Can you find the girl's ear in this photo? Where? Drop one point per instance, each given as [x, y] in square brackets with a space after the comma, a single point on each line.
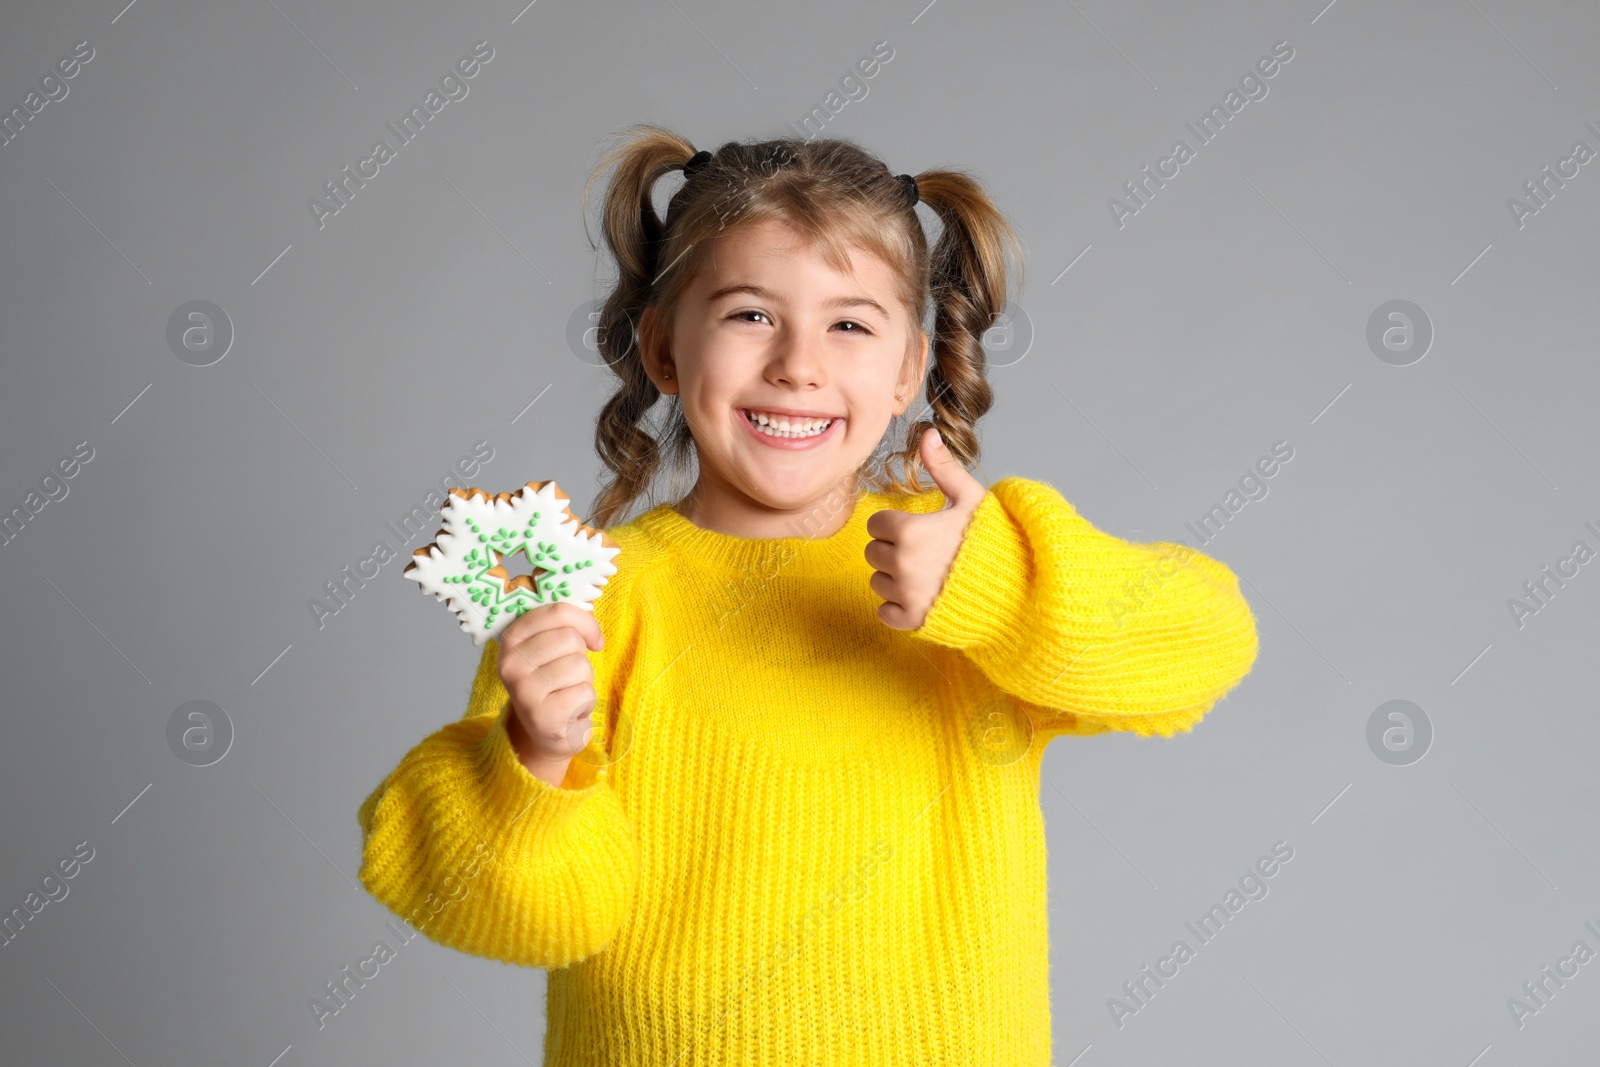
[653, 352]
[912, 369]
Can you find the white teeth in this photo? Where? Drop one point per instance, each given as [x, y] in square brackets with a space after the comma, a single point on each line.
[783, 426]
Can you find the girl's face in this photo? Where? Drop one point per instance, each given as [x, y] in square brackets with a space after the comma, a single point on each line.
[768, 329]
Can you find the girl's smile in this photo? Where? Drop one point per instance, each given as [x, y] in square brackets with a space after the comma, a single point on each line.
[785, 428]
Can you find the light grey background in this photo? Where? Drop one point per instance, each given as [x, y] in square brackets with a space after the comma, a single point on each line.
[1229, 314]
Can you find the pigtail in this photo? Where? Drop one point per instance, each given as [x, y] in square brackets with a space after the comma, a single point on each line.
[633, 235]
[967, 279]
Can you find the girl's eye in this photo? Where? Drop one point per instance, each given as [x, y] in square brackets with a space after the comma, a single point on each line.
[859, 328]
[748, 311]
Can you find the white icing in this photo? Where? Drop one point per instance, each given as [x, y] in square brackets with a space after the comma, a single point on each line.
[443, 567]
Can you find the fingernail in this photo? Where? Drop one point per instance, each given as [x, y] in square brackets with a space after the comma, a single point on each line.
[938, 442]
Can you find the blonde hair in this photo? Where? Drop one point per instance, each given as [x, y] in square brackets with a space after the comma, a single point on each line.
[838, 196]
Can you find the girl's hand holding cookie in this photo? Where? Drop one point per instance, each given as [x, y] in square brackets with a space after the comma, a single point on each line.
[910, 553]
[547, 673]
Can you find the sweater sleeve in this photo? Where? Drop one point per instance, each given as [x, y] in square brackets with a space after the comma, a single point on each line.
[481, 856]
[1089, 631]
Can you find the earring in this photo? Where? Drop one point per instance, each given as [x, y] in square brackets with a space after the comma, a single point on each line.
[897, 396]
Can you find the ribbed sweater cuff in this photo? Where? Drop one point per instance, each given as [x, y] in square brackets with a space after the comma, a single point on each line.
[985, 592]
[531, 806]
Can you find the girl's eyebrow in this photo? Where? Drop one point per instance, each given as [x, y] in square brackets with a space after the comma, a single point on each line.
[767, 294]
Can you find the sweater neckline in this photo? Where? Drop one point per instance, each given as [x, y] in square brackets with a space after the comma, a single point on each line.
[802, 554]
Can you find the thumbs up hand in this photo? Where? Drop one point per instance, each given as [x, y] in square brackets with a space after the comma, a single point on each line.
[910, 553]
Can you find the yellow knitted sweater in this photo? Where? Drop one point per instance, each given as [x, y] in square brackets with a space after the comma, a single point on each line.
[799, 836]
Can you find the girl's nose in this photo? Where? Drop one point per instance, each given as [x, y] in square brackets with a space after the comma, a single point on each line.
[797, 359]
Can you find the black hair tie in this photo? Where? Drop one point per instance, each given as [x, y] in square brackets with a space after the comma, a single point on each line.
[911, 184]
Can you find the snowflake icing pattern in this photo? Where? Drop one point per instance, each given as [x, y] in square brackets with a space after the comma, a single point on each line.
[464, 564]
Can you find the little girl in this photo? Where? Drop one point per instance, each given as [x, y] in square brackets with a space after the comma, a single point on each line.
[775, 799]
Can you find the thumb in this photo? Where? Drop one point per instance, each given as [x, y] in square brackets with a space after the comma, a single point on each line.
[957, 484]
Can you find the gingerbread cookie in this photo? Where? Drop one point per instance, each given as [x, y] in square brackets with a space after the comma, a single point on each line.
[464, 565]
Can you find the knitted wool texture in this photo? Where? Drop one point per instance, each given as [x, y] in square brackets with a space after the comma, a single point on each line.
[799, 836]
